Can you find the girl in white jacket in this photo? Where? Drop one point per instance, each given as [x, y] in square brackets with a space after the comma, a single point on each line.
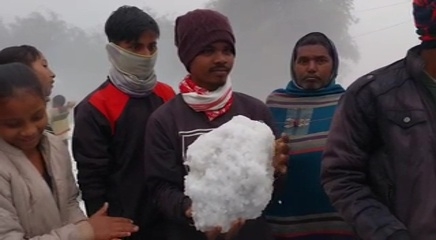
[38, 193]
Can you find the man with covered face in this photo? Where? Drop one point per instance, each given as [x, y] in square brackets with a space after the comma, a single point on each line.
[304, 110]
[108, 138]
[379, 167]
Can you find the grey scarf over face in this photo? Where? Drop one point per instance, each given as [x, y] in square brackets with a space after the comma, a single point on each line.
[132, 73]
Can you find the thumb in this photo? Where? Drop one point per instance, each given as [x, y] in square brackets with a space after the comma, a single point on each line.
[103, 210]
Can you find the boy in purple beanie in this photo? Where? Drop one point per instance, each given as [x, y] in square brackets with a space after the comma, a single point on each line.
[206, 47]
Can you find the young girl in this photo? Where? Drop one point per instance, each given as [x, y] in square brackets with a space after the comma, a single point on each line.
[38, 194]
[33, 58]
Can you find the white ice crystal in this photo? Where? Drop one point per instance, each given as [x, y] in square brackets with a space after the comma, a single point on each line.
[230, 173]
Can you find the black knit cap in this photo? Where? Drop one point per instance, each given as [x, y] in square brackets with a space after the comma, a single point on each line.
[424, 12]
[199, 28]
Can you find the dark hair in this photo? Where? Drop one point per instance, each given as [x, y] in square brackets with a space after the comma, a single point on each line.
[59, 101]
[15, 76]
[317, 38]
[23, 54]
[128, 23]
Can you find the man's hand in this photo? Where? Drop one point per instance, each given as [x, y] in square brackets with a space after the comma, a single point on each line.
[232, 233]
[188, 212]
[216, 232]
[236, 227]
[281, 155]
[70, 104]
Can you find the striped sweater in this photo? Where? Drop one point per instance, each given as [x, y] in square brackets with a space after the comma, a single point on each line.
[302, 210]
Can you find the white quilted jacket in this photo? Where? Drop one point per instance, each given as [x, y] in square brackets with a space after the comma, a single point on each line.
[28, 208]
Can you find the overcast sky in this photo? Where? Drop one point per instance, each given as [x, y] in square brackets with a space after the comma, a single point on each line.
[88, 13]
[383, 34]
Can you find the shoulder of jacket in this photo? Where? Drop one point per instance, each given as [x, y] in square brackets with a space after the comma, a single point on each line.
[54, 141]
[381, 80]
[59, 153]
[7, 168]
[164, 85]
[164, 91]
[167, 109]
[106, 102]
[56, 144]
[249, 99]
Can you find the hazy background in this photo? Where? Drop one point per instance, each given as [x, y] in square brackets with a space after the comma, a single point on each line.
[368, 33]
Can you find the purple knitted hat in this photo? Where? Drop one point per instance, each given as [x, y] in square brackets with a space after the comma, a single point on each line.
[199, 28]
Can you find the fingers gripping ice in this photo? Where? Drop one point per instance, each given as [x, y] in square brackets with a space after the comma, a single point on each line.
[231, 174]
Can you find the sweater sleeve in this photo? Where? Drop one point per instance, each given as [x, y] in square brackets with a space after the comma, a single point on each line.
[91, 139]
[164, 173]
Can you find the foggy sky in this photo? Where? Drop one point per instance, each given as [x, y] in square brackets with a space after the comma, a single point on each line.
[383, 34]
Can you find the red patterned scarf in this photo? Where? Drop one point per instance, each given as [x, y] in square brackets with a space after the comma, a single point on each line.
[213, 104]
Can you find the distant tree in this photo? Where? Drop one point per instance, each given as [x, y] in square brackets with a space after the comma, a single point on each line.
[5, 38]
[169, 69]
[74, 55]
[78, 57]
[266, 31]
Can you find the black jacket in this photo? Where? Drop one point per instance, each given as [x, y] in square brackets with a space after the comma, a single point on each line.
[379, 166]
[108, 146]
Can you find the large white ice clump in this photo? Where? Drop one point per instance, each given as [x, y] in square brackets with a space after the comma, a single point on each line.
[230, 173]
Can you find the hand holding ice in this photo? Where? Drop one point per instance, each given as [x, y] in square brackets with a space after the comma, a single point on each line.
[231, 173]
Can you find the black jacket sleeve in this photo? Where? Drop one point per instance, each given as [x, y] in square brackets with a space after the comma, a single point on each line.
[91, 138]
[165, 172]
[345, 166]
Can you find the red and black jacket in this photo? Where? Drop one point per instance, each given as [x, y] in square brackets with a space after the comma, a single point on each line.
[108, 146]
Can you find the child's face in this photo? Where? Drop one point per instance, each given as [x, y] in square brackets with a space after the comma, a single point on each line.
[22, 119]
[44, 73]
